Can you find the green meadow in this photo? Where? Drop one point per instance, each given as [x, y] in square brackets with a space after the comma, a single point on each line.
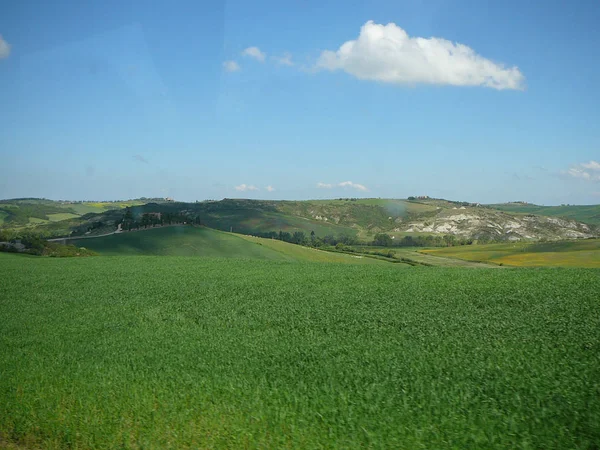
[192, 352]
[207, 242]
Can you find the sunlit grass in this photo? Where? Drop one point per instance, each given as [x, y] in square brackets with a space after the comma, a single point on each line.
[177, 352]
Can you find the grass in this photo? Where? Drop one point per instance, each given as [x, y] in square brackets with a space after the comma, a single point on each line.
[200, 241]
[583, 253]
[176, 352]
[61, 216]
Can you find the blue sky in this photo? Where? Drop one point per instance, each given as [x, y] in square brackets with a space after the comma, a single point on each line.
[466, 100]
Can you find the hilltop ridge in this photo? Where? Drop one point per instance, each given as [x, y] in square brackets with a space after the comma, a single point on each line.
[360, 219]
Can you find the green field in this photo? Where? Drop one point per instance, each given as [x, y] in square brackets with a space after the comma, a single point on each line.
[178, 352]
[61, 216]
[200, 241]
[583, 253]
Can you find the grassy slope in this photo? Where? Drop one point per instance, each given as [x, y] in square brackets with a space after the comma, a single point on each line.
[154, 352]
[193, 241]
[585, 253]
[583, 213]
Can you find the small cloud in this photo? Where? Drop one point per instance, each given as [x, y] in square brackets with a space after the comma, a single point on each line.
[352, 185]
[344, 184]
[324, 185]
[592, 165]
[254, 52]
[589, 171]
[246, 187]
[386, 53]
[140, 158]
[4, 48]
[285, 60]
[270, 188]
[231, 66]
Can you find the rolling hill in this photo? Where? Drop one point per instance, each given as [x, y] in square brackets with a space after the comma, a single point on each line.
[201, 241]
[360, 219]
[21, 212]
[589, 214]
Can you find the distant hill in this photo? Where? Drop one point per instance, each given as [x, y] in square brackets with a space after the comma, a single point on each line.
[589, 214]
[22, 212]
[360, 219]
[201, 241]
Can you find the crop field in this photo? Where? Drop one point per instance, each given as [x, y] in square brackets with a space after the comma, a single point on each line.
[200, 241]
[416, 254]
[182, 352]
[61, 216]
[583, 253]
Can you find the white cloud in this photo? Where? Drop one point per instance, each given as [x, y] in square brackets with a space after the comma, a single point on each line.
[246, 187]
[388, 54]
[352, 185]
[592, 165]
[270, 188]
[231, 66]
[4, 48]
[254, 52]
[344, 184]
[285, 60]
[589, 171]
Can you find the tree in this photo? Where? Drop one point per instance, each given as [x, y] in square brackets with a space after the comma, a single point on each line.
[299, 237]
[383, 240]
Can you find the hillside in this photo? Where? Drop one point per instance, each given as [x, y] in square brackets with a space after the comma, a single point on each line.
[23, 212]
[359, 219]
[401, 217]
[201, 241]
[589, 214]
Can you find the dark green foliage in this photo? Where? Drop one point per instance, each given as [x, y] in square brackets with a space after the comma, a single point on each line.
[383, 240]
[155, 352]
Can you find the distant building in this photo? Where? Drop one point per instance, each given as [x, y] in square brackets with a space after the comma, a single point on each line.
[169, 199]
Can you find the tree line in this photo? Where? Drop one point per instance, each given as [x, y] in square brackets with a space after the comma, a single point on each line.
[131, 222]
[448, 240]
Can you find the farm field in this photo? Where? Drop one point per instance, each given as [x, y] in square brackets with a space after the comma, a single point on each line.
[200, 241]
[583, 253]
[416, 254]
[181, 352]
